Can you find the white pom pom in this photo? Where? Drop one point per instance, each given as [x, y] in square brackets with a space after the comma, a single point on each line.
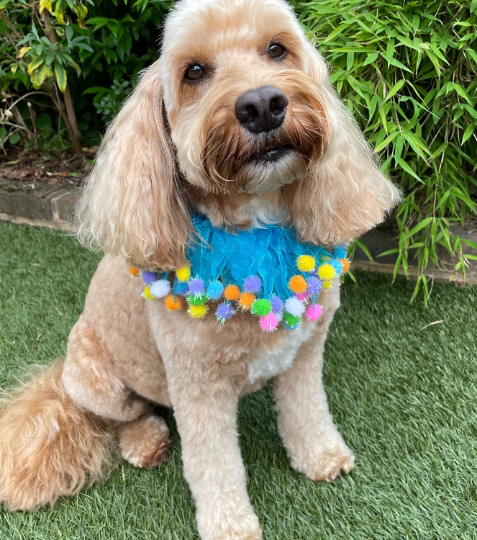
[161, 288]
[294, 307]
[279, 316]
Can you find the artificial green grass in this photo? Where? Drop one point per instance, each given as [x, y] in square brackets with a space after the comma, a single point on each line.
[405, 400]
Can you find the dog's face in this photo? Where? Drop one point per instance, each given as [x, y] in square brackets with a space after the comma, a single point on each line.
[238, 106]
[244, 113]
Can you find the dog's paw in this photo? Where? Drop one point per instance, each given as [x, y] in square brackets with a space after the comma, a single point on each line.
[144, 442]
[332, 463]
[326, 463]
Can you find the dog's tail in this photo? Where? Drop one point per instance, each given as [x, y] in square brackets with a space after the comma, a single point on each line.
[48, 446]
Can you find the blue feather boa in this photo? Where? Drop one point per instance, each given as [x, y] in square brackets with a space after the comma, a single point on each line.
[270, 252]
[271, 257]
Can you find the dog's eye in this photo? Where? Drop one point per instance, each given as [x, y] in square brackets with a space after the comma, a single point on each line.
[276, 51]
[194, 72]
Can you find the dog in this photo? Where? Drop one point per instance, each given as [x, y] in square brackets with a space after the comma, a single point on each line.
[236, 121]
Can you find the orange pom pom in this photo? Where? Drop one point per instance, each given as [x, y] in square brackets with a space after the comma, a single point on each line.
[345, 264]
[172, 304]
[246, 300]
[232, 293]
[133, 271]
[297, 284]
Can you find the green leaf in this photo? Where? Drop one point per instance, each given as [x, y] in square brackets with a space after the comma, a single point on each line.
[59, 14]
[394, 62]
[458, 88]
[408, 169]
[363, 247]
[69, 33]
[437, 52]
[335, 33]
[349, 61]
[395, 89]
[390, 48]
[35, 64]
[81, 11]
[468, 133]
[60, 75]
[424, 223]
[14, 138]
[370, 58]
[408, 43]
[387, 140]
[356, 49]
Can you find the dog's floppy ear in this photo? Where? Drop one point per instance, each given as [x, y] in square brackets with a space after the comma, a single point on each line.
[132, 204]
[345, 194]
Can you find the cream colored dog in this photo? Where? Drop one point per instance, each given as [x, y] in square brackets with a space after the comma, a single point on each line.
[236, 120]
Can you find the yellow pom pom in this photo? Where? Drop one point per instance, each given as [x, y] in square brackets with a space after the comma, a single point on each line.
[345, 264]
[326, 271]
[183, 274]
[327, 284]
[147, 293]
[297, 284]
[246, 300]
[133, 271]
[306, 263]
[173, 304]
[198, 312]
[232, 293]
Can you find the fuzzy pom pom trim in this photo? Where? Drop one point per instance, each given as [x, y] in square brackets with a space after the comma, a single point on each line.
[272, 290]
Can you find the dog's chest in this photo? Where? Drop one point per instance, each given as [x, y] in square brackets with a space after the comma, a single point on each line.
[269, 363]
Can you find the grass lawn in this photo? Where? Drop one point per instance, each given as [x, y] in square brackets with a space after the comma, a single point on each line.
[404, 398]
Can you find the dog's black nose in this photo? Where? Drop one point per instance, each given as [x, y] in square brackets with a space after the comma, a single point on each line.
[262, 109]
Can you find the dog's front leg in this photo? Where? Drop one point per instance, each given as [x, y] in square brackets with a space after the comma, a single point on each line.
[313, 444]
[206, 415]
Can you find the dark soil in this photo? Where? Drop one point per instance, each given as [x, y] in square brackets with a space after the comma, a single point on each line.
[49, 167]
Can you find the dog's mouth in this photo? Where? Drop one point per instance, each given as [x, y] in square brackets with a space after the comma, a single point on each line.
[271, 154]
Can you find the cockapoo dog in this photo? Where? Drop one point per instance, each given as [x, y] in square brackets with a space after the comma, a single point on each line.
[236, 121]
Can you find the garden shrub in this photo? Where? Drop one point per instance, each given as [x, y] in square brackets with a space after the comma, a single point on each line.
[407, 72]
[55, 48]
[405, 69]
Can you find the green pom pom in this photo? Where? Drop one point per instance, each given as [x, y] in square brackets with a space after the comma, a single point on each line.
[290, 319]
[261, 307]
[197, 300]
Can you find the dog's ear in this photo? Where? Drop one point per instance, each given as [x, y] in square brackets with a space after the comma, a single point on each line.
[132, 204]
[345, 193]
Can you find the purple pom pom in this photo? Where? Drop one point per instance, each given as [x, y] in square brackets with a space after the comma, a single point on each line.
[224, 311]
[252, 284]
[277, 304]
[314, 286]
[196, 286]
[149, 277]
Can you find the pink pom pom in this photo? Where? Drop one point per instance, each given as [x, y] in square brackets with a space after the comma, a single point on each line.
[302, 296]
[269, 322]
[313, 312]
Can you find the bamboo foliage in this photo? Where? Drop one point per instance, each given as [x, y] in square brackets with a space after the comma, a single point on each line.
[407, 72]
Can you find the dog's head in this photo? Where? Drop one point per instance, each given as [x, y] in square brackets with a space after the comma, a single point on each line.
[239, 103]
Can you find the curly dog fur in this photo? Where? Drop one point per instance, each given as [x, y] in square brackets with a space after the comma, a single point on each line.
[178, 146]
